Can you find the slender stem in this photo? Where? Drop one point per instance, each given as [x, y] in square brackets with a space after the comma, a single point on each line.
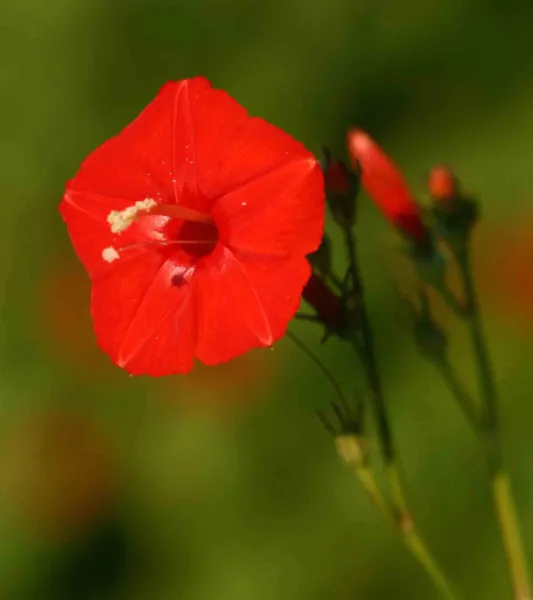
[336, 281]
[486, 382]
[349, 449]
[309, 318]
[371, 487]
[513, 538]
[364, 345]
[466, 403]
[325, 370]
[503, 500]
[452, 302]
[398, 496]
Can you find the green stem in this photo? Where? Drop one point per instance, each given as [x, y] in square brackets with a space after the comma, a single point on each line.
[351, 452]
[363, 342]
[364, 345]
[466, 403]
[451, 301]
[367, 479]
[485, 376]
[501, 491]
[397, 514]
[512, 535]
[325, 370]
[336, 281]
[411, 536]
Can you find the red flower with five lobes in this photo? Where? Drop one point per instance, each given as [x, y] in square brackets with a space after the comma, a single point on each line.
[384, 183]
[194, 224]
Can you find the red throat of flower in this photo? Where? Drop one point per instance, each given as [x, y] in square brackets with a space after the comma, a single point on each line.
[179, 212]
[198, 233]
[190, 230]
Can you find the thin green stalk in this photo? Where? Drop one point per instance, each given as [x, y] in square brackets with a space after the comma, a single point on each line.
[325, 370]
[501, 491]
[308, 318]
[371, 487]
[466, 403]
[364, 345]
[397, 513]
[512, 536]
[485, 376]
[350, 449]
[336, 281]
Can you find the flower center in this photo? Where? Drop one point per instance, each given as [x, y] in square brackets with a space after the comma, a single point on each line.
[197, 234]
[198, 238]
[192, 231]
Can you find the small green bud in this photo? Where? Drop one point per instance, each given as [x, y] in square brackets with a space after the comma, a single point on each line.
[351, 449]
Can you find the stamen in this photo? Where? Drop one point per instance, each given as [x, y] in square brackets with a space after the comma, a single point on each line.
[120, 220]
[109, 254]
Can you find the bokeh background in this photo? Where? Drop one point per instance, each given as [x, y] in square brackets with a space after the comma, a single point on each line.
[222, 484]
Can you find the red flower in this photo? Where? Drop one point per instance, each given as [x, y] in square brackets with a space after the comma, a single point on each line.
[193, 224]
[385, 184]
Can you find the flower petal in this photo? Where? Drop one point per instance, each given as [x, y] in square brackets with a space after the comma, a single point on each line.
[277, 214]
[245, 303]
[142, 319]
[231, 148]
[142, 161]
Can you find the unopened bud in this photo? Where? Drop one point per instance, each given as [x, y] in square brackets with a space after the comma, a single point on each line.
[321, 258]
[351, 450]
[385, 185]
[454, 213]
[443, 185]
[327, 304]
[342, 187]
[337, 177]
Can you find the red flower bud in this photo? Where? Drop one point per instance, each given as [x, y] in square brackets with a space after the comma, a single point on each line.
[442, 184]
[326, 304]
[384, 183]
[337, 177]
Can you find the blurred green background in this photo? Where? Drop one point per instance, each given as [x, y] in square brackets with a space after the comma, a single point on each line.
[222, 484]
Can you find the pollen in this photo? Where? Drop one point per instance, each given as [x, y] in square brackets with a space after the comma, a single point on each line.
[109, 254]
[120, 220]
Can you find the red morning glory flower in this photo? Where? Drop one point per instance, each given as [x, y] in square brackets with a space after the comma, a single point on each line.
[194, 224]
[384, 183]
